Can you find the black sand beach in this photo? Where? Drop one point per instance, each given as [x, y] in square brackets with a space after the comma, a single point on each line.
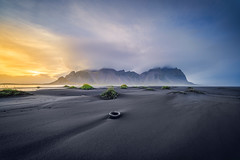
[160, 124]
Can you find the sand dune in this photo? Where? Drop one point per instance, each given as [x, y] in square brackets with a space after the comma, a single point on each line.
[73, 124]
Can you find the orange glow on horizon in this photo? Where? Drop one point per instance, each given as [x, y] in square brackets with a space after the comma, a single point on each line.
[30, 50]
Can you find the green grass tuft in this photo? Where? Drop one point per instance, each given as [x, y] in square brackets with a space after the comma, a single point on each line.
[72, 87]
[11, 92]
[166, 87]
[124, 86]
[66, 86]
[86, 87]
[110, 93]
[135, 87]
[150, 89]
[142, 87]
[190, 89]
[177, 92]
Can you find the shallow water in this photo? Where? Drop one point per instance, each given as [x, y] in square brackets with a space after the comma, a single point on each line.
[34, 87]
[31, 87]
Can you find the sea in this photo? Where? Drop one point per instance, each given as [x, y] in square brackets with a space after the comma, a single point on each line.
[30, 87]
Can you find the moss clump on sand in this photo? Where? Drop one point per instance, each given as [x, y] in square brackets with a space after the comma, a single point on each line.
[110, 93]
[86, 87]
[135, 87]
[177, 92]
[194, 91]
[142, 87]
[72, 87]
[150, 89]
[66, 86]
[12, 92]
[166, 87]
[124, 86]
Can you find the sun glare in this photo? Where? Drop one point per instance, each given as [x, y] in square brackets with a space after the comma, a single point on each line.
[35, 73]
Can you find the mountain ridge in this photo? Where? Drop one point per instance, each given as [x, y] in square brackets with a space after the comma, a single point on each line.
[109, 76]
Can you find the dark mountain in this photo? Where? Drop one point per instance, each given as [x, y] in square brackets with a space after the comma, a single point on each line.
[167, 75]
[106, 76]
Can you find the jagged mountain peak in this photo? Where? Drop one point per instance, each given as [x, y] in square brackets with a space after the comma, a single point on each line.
[109, 76]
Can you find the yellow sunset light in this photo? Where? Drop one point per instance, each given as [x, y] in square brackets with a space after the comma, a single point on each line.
[30, 50]
[35, 73]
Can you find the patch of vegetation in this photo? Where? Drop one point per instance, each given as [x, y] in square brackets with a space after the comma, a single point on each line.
[11, 92]
[194, 91]
[135, 87]
[66, 86]
[86, 87]
[110, 93]
[150, 89]
[38, 87]
[166, 87]
[142, 87]
[72, 87]
[124, 86]
[177, 92]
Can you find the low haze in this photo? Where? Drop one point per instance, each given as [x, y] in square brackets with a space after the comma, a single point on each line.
[43, 40]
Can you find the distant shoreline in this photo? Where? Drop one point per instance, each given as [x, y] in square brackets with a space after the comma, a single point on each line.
[24, 83]
[49, 84]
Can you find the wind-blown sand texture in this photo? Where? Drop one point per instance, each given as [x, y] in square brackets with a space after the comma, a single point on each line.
[159, 124]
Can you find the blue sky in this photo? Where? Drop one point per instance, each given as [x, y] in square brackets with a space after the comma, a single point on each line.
[200, 37]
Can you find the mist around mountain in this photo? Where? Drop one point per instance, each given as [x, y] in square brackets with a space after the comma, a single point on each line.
[108, 76]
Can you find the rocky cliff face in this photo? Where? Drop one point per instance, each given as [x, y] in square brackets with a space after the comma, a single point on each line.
[168, 75]
[156, 76]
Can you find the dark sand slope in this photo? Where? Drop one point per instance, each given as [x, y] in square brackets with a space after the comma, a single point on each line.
[73, 124]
